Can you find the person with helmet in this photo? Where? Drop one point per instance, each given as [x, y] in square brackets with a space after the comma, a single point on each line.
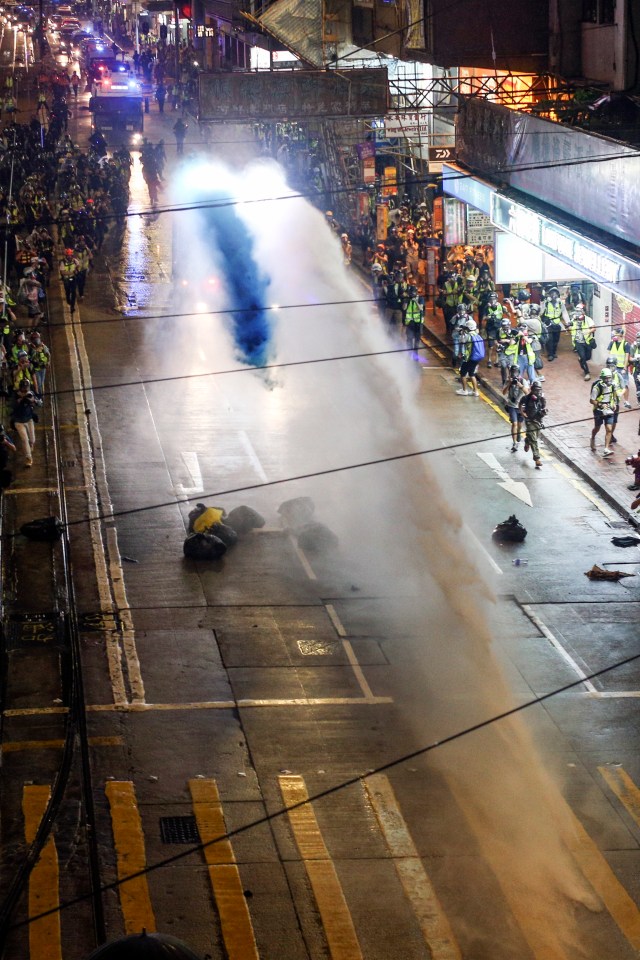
[513, 391]
[533, 408]
[451, 296]
[23, 417]
[505, 336]
[347, 249]
[619, 349]
[520, 352]
[472, 352]
[40, 358]
[23, 372]
[604, 400]
[536, 332]
[634, 364]
[459, 325]
[554, 317]
[618, 384]
[413, 317]
[582, 337]
[69, 267]
[395, 294]
[492, 315]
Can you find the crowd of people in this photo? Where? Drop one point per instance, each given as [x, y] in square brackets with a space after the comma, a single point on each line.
[57, 204]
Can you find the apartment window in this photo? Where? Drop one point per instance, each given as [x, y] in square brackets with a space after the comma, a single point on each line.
[599, 11]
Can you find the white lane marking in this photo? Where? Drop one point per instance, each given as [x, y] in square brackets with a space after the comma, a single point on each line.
[553, 640]
[192, 464]
[348, 649]
[253, 456]
[515, 487]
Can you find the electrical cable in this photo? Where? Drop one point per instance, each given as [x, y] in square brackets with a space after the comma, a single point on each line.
[331, 791]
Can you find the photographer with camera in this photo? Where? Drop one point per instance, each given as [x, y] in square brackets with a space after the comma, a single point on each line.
[513, 391]
[24, 419]
[533, 408]
[604, 400]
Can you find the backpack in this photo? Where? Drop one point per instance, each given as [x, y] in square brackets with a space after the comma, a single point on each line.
[477, 347]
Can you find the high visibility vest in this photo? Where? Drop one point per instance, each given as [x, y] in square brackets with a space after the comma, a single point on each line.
[616, 349]
[494, 314]
[585, 325]
[552, 311]
[512, 351]
[68, 269]
[634, 355]
[40, 358]
[413, 313]
[604, 393]
[452, 293]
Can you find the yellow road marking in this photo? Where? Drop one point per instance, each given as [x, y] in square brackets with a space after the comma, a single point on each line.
[17, 745]
[235, 920]
[580, 487]
[327, 890]
[135, 901]
[44, 934]
[604, 881]
[624, 788]
[417, 886]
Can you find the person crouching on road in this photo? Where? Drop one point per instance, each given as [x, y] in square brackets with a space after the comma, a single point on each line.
[472, 352]
[604, 400]
[24, 417]
[533, 408]
[413, 315]
[513, 391]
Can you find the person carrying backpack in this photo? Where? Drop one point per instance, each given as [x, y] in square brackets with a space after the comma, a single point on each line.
[413, 316]
[472, 346]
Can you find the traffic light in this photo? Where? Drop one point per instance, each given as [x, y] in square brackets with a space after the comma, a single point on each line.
[185, 11]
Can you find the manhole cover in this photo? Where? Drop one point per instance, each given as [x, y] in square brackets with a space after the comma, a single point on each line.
[179, 830]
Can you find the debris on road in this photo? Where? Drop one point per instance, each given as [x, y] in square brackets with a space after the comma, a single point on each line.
[597, 573]
[510, 531]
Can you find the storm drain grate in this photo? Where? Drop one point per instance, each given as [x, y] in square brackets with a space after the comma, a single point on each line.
[179, 830]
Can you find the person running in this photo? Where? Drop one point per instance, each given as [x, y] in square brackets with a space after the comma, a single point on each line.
[603, 400]
[533, 408]
[582, 337]
[472, 352]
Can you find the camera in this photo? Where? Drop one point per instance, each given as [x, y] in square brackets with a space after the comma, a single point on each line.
[633, 461]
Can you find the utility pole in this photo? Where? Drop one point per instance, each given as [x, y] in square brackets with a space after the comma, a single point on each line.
[176, 14]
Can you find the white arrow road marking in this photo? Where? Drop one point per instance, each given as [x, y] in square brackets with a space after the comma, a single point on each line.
[193, 466]
[515, 487]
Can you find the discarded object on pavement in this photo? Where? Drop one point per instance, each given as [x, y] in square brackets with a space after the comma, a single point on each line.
[45, 529]
[597, 573]
[203, 546]
[510, 531]
[314, 537]
[297, 512]
[625, 541]
[244, 519]
[202, 517]
[224, 532]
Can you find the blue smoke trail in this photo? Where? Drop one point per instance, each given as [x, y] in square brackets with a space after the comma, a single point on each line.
[251, 320]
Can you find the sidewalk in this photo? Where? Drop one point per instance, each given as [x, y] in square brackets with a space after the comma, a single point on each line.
[567, 397]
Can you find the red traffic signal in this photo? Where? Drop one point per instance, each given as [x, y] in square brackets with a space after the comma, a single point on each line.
[185, 11]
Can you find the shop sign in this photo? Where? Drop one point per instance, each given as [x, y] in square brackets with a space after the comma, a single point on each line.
[406, 125]
[479, 228]
[390, 188]
[382, 221]
[204, 31]
[474, 192]
[369, 170]
[592, 258]
[455, 223]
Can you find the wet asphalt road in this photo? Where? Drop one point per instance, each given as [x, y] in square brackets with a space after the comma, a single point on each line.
[352, 674]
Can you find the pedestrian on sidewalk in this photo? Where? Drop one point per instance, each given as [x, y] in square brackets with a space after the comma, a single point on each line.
[533, 408]
[583, 337]
[553, 316]
[514, 391]
[619, 350]
[603, 401]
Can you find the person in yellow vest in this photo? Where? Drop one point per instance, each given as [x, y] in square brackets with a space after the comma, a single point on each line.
[554, 318]
[413, 316]
[84, 257]
[40, 359]
[634, 364]
[521, 353]
[582, 337]
[619, 349]
[68, 275]
[451, 294]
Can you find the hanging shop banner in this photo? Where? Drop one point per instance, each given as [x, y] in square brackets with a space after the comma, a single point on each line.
[455, 222]
[436, 216]
[366, 149]
[479, 228]
[382, 221]
[369, 170]
[590, 177]
[390, 180]
[431, 267]
[406, 125]
[281, 95]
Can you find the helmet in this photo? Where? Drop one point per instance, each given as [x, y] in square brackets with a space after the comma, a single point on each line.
[506, 323]
[471, 324]
[412, 291]
[376, 267]
[534, 310]
[22, 353]
[68, 253]
[535, 387]
[638, 335]
[493, 296]
[618, 332]
[513, 368]
[523, 295]
[461, 308]
[612, 362]
[606, 374]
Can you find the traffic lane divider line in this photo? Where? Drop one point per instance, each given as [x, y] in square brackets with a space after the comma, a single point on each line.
[413, 877]
[224, 875]
[327, 889]
[135, 902]
[44, 888]
[619, 781]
